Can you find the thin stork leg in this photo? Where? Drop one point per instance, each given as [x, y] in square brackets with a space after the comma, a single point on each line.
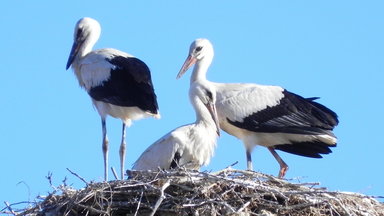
[283, 165]
[105, 147]
[249, 160]
[122, 152]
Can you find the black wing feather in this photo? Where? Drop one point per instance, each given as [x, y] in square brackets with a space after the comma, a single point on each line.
[294, 114]
[307, 149]
[130, 84]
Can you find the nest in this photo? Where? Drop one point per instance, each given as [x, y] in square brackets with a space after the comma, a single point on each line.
[183, 192]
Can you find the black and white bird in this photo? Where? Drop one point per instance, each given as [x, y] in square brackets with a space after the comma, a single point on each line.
[190, 146]
[119, 84]
[264, 115]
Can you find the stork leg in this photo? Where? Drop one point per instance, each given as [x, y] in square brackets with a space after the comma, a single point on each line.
[122, 152]
[105, 147]
[249, 160]
[283, 165]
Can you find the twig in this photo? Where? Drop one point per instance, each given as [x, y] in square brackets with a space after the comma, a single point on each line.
[81, 178]
[196, 204]
[91, 209]
[28, 188]
[301, 206]
[49, 177]
[114, 173]
[310, 184]
[65, 181]
[333, 209]
[138, 204]
[232, 165]
[9, 205]
[346, 211]
[244, 206]
[9, 208]
[161, 198]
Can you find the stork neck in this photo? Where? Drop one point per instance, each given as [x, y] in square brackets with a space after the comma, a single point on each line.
[202, 114]
[200, 70]
[205, 120]
[87, 46]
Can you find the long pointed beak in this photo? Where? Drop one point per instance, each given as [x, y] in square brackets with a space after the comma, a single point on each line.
[212, 110]
[187, 64]
[74, 51]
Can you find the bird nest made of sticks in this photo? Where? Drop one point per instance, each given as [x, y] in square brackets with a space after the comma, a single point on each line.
[183, 192]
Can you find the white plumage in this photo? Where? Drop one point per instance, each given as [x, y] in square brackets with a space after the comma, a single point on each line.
[266, 115]
[246, 98]
[119, 84]
[190, 146]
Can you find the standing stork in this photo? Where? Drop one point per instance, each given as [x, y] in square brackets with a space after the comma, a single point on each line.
[119, 84]
[192, 145]
[263, 115]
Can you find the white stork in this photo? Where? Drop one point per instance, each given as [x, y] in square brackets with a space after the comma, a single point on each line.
[263, 115]
[119, 84]
[190, 146]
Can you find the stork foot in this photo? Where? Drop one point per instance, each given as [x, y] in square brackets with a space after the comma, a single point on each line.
[283, 165]
[283, 171]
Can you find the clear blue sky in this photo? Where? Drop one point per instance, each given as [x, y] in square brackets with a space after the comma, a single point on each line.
[330, 49]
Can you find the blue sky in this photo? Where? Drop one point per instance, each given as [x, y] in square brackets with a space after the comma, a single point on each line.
[330, 49]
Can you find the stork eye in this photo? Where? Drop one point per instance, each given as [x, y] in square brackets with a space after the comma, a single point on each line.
[198, 49]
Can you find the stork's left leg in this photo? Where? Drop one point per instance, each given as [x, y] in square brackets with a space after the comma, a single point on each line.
[249, 159]
[122, 152]
[105, 147]
[283, 165]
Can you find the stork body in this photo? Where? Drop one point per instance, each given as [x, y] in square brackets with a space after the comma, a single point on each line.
[190, 146]
[264, 115]
[119, 84]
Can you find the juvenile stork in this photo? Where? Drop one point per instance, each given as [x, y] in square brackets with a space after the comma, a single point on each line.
[119, 84]
[192, 145]
[263, 115]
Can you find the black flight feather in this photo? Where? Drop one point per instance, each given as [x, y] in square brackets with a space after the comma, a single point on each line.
[129, 85]
[293, 114]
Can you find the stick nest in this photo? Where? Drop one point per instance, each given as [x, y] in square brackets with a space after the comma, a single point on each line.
[182, 192]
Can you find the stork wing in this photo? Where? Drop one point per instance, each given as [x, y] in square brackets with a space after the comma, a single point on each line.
[121, 80]
[273, 109]
[164, 152]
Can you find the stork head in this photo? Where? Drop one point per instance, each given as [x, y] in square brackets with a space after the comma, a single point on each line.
[201, 49]
[87, 32]
[203, 98]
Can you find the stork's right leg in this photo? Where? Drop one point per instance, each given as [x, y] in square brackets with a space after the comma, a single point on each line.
[122, 152]
[105, 147]
[283, 165]
[249, 160]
